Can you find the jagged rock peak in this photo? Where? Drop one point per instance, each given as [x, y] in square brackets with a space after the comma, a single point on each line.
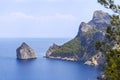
[25, 52]
[24, 45]
[100, 21]
[99, 14]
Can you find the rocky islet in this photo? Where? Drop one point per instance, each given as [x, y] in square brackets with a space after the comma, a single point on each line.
[25, 52]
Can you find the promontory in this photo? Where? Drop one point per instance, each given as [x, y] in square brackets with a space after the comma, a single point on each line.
[82, 46]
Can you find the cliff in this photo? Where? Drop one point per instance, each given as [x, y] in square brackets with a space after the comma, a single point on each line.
[25, 52]
[82, 47]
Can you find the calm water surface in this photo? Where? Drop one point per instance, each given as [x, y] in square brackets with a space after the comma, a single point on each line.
[40, 68]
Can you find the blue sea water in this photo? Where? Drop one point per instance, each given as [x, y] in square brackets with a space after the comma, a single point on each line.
[40, 68]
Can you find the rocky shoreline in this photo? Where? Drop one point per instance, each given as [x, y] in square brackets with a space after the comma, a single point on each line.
[62, 58]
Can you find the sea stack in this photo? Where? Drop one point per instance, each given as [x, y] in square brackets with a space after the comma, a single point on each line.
[25, 52]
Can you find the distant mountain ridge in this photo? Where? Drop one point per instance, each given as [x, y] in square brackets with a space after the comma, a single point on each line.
[82, 47]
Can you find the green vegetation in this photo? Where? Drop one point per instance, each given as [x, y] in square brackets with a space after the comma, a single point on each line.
[112, 71]
[111, 48]
[69, 49]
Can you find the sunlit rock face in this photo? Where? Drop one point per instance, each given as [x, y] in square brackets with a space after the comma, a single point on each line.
[25, 52]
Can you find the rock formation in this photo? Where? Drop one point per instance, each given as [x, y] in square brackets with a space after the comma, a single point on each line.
[97, 59]
[82, 47]
[25, 52]
[50, 50]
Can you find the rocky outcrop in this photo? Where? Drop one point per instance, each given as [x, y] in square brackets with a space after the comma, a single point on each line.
[100, 20]
[25, 52]
[51, 49]
[49, 54]
[98, 59]
[95, 32]
[68, 51]
[88, 34]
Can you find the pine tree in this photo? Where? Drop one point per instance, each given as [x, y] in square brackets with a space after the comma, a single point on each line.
[111, 48]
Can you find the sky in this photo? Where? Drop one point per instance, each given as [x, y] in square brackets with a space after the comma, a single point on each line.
[45, 18]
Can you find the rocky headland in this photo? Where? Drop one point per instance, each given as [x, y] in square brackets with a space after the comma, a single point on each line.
[82, 47]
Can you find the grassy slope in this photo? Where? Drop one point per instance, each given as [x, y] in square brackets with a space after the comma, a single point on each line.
[69, 49]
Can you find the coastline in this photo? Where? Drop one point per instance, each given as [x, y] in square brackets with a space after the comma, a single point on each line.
[61, 58]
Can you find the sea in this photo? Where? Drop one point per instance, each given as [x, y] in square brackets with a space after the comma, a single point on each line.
[41, 68]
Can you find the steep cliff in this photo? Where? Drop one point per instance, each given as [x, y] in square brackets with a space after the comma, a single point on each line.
[25, 52]
[82, 47]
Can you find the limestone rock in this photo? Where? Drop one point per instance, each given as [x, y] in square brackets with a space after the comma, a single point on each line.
[98, 59]
[88, 34]
[51, 49]
[25, 52]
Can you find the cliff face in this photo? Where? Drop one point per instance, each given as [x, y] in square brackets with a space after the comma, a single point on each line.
[87, 35]
[51, 49]
[93, 31]
[25, 52]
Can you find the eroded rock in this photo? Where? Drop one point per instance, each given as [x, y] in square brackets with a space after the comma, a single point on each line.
[25, 52]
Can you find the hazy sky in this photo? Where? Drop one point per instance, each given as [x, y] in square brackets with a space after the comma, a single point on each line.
[44, 18]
